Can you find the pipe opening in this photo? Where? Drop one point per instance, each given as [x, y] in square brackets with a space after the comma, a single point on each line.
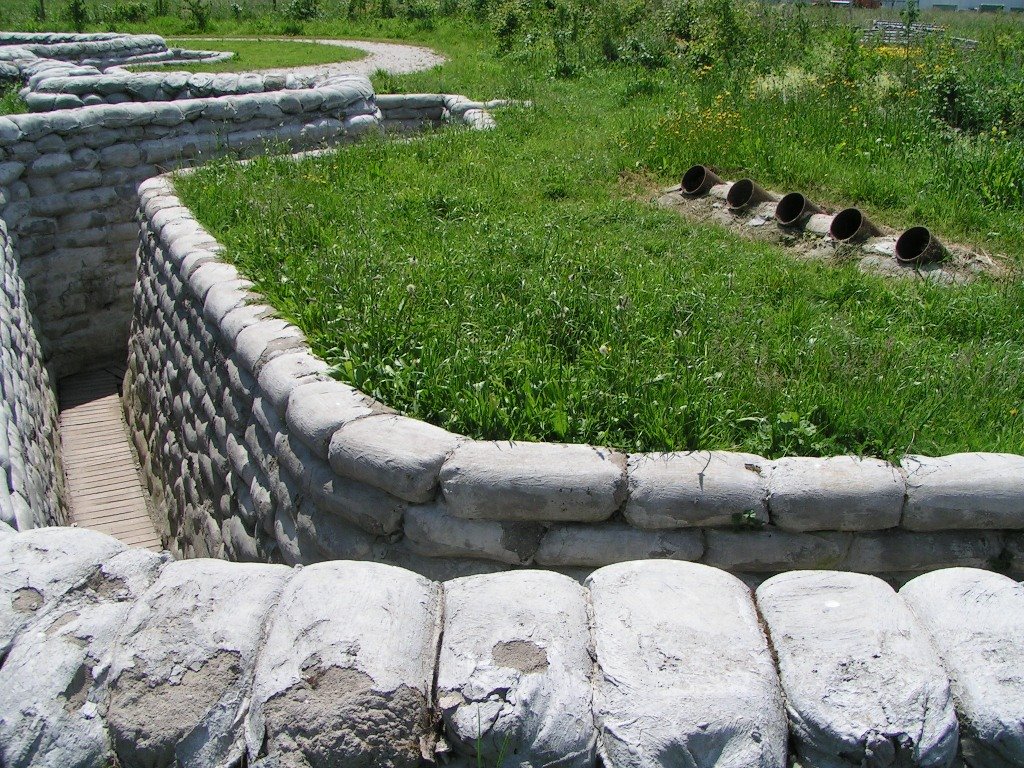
[698, 180]
[918, 246]
[741, 194]
[851, 225]
[795, 209]
[747, 192]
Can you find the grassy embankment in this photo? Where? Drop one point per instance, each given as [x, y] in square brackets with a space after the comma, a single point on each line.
[506, 285]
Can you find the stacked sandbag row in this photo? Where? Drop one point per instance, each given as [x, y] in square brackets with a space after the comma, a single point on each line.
[78, 89]
[70, 181]
[410, 112]
[31, 480]
[101, 49]
[111, 655]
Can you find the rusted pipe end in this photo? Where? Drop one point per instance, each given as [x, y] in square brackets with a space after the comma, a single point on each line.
[746, 192]
[795, 210]
[850, 225]
[698, 180]
[919, 246]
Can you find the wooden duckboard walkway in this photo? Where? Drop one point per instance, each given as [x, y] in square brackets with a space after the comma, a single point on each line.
[104, 485]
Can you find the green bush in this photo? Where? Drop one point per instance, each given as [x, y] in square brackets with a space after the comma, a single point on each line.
[76, 14]
[127, 12]
[198, 14]
[302, 10]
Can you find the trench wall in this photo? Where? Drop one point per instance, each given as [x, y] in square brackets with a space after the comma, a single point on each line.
[31, 479]
[650, 664]
[253, 452]
[70, 178]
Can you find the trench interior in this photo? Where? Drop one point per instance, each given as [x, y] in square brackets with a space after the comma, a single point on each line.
[103, 481]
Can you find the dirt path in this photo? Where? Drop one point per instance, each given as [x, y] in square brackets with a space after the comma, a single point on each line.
[394, 58]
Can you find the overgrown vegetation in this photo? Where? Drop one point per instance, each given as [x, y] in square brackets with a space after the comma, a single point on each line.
[511, 285]
[534, 300]
[10, 102]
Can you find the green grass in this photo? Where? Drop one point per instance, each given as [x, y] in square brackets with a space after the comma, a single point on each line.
[546, 304]
[10, 102]
[499, 285]
[261, 54]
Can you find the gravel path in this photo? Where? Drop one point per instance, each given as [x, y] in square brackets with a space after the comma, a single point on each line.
[394, 58]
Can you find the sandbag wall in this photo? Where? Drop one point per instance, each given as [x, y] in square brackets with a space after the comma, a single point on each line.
[31, 478]
[83, 90]
[255, 453]
[70, 179]
[93, 49]
[111, 655]
[411, 112]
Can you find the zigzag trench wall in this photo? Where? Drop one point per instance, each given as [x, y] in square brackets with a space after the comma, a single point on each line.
[110, 655]
[255, 453]
[68, 202]
[252, 452]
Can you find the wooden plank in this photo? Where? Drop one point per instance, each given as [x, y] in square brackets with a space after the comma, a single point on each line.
[102, 486]
[133, 525]
[105, 489]
[102, 480]
[106, 486]
[114, 498]
[101, 425]
[127, 528]
[105, 497]
[110, 513]
[99, 474]
[121, 474]
[140, 541]
[140, 538]
[111, 516]
[98, 453]
[106, 506]
[90, 402]
[106, 455]
[95, 441]
[137, 517]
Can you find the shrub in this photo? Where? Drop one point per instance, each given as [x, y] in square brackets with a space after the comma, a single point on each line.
[507, 20]
[76, 14]
[953, 102]
[302, 10]
[198, 14]
[124, 13]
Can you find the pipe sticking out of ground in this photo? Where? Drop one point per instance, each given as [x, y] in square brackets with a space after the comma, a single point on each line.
[747, 192]
[698, 181]
[919, 246]
[851, 226]
[795, 210]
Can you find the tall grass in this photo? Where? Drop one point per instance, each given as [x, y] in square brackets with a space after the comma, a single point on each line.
[505, 285]
[10, 102]
[500, 285]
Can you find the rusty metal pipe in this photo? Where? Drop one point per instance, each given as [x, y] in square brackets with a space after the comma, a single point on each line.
[919, 246]
[851, 226]
[795, 210]
[698, 180]
[747, 192]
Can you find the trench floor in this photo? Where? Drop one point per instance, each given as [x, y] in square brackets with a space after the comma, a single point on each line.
[104, 486]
